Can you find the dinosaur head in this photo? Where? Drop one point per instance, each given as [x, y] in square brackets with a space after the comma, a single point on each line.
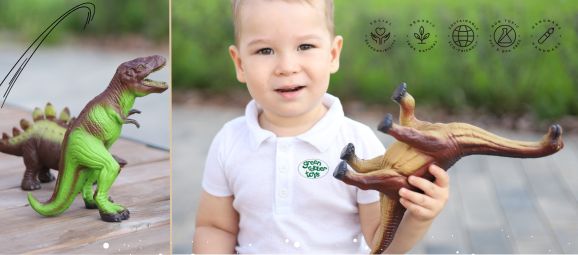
[133, 75]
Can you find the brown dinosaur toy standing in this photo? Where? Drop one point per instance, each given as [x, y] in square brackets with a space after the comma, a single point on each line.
[39, 143]
[420, 144]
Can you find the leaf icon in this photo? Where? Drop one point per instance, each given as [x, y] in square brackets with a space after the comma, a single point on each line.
[425, 36]
[421, 30]
[417, 36]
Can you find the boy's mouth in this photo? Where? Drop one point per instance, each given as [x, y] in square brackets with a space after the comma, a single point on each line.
[289, 89]
[290, 92]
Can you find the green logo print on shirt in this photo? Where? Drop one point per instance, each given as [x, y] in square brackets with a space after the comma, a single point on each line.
[313, 168]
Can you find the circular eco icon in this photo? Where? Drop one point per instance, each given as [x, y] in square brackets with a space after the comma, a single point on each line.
[421, 36]
[463, 35]
[379, 37]
[505, 35]
[546, 35]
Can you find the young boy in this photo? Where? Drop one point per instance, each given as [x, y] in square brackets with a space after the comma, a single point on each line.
[266, 182]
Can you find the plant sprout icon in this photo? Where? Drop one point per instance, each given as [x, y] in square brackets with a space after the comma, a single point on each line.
[380, 36]
[421, 36]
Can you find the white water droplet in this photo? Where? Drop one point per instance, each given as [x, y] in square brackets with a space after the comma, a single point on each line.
[355, 240]
[105, 245]
[286, 240]
[452, 235]
[250, 245]
[457, 252]
[297, 245]
[531, 236]
[432, 237]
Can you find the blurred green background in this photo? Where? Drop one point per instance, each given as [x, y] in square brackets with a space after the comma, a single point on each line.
[145, 18]
[522, 82]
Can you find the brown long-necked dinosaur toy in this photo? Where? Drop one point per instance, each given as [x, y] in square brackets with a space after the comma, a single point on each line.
[420, 144]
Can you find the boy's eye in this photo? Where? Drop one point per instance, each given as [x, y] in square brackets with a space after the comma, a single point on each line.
[265, 51]
[306, 46]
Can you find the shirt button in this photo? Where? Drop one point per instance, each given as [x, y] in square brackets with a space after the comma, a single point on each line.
[283, 193]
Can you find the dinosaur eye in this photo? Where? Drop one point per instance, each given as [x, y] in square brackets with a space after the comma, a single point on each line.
[140, 68]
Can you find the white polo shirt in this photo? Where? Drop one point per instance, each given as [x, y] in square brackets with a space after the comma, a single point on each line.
[283, 187]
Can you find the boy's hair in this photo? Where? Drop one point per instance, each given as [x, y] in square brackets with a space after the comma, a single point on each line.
[328, 14]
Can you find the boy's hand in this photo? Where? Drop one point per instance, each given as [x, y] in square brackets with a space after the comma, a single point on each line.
[425, 207]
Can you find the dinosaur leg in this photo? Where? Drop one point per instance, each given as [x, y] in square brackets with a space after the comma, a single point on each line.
[386, 181]
[88, 192]
[359, 165]
[44, 175]
[474, 140]
[92, 155]
[407, 106]
[29, 181]
[109, 211]
[424, 141]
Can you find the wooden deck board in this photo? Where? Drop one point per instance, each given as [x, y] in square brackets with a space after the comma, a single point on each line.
[143, 186]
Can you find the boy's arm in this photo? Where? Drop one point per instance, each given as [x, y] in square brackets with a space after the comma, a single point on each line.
[217, 225]
[421, 211]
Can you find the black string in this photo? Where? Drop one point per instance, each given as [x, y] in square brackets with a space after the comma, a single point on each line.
[91, 11]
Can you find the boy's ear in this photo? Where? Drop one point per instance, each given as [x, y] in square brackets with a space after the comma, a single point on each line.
[234, 53]
[336, 52]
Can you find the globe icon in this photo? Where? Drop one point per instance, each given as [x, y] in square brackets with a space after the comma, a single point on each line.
[463, 35]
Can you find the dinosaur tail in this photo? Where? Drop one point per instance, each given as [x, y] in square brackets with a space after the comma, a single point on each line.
[13, 145]
[68, 185]
[392, 212]
[9, 148]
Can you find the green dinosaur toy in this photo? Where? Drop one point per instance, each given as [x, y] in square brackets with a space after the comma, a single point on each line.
[39, 145]
[85, 156]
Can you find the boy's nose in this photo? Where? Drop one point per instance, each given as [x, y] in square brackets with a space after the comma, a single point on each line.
[287, 64]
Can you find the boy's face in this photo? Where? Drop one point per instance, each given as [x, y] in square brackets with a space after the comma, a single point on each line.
[285, 55]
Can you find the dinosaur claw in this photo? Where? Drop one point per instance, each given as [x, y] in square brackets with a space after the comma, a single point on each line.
[555, 131]
[116, 217]
[125, 214]
[340, 170]
[133, 111]
[347, 152]
[399, 92]
[131, 121]
[386, 123]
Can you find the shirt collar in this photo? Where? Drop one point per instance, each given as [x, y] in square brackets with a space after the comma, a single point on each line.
[319, 136]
